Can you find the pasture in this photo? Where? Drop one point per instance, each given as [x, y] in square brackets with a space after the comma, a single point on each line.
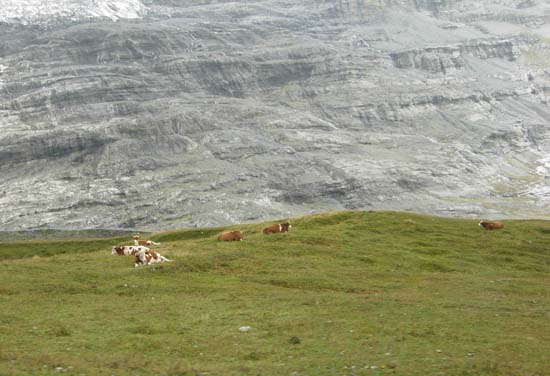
[344, 293]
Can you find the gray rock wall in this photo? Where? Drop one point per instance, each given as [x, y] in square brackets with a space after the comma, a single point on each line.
[208, 113]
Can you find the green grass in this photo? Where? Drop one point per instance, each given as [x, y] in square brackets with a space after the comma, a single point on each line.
[24, 249]
[339, 293]
[49, 234]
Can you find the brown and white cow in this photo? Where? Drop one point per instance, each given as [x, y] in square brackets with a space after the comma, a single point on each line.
[146, 257]
[491, 225]
[228, 236]
[143, 242]
[281, 227]
[127, 250]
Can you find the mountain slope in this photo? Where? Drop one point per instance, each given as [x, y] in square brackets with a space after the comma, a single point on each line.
[214, 112]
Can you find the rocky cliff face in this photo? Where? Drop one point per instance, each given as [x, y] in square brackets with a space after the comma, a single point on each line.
[157, 114]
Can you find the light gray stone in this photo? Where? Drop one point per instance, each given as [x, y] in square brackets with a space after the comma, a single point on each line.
[158, 114]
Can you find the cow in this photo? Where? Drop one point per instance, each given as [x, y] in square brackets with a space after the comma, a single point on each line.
[146, 257]
[491, 225]
[228, 236]
[143, 242]
[281, 227]
[127, 250]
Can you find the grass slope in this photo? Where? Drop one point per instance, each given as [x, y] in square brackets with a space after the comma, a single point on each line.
[51, 234]
[347, 293]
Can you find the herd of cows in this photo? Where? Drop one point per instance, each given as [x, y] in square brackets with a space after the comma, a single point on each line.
[143, 255]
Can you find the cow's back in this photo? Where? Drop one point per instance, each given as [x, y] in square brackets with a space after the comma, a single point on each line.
[271, 229]
[231, 235]
[491, 225]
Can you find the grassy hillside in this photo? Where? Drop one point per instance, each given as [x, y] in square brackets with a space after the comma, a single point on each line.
[348, 293]
[51, 234]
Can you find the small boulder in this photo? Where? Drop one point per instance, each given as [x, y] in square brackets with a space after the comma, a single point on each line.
[294, 340]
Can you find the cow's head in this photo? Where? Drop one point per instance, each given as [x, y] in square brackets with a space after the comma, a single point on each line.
[285, 226]
[118, 250]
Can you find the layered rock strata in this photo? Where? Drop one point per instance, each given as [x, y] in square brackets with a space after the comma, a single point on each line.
[158, 114]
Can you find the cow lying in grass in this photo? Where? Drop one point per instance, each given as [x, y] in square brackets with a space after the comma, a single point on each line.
[491, 225]
[146, 257]
[127, 250]
[143, 242]
[281, 227]
[142, 255]
[231, 235]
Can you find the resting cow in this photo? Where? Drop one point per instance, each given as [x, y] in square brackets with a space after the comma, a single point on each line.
[228, 236]
[127, 250]
[146, 257]
[491, 225]
[143, 242]
[281, 227]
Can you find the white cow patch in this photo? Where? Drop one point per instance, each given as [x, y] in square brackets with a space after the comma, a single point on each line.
[129, 250]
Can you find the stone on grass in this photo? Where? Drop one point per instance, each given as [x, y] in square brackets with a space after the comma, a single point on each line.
[294, 340]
